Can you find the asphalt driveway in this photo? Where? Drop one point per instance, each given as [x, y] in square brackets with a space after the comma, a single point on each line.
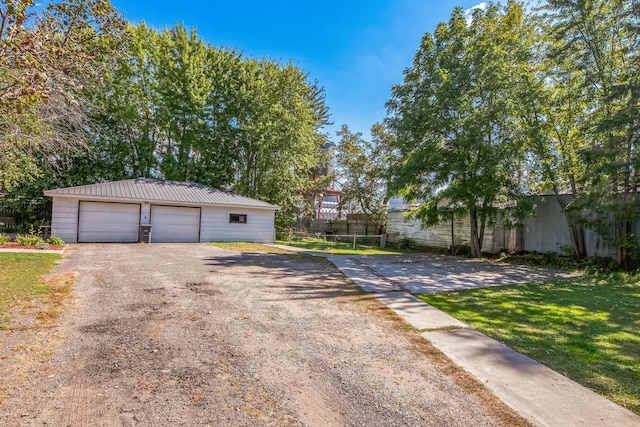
[429, 273]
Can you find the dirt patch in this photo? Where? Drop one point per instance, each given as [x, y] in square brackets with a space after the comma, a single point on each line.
[192, 335]
[34, 334]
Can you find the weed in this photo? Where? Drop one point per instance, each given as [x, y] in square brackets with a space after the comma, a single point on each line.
[32, 238]
[55, 240]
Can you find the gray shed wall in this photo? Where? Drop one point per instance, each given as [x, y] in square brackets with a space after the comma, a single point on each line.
[496, 239]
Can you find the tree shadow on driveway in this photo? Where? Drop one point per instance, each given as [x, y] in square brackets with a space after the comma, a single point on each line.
[303, 276]
[427, 274]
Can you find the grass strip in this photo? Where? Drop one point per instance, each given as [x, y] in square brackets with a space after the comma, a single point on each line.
[249, 247]
[20, 279]
[587, 328]
[338, 248]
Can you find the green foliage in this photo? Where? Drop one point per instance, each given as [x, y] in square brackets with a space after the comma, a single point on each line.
[250, 247]
[175, 107]
[32, 238]
[55, 240]
[4, 239]
[319, 244]
[460, 143]
[509, 103]
[549, 259]
[362, 168]
[598, 264]
[49, 52]
[585, 327]
[596, 44]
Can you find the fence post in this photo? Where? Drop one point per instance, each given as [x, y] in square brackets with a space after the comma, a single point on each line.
[354, 241]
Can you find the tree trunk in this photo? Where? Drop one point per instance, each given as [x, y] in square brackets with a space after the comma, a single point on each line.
[576, 232]
[622, 229]
[453, 237]
[475, 243]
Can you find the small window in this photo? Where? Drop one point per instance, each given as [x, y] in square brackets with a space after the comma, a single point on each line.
[237, 219]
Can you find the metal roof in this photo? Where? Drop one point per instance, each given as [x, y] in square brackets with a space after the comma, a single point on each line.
[159, 190]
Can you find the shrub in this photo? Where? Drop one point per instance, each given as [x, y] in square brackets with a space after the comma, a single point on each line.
[405, 243]
[549, 259]
[4, 239]
[55, 240]
[30, 239]
[599, 264]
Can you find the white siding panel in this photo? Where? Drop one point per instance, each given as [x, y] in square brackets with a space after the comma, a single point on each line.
[108, 222]
[438, 236]
[216, 227]
[64, 219]
[175, 224]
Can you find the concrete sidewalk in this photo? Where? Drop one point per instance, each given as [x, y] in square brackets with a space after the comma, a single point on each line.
[536, 392]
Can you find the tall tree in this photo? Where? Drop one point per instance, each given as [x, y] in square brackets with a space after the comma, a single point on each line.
[601, 39]
[278, 139]
[47, 54]
[178, 108]
[192, 80]
[552, 106]
[124, 111]
[362, 168]
[460, 142]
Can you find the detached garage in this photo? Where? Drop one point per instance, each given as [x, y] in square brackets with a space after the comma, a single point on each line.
[176, 211]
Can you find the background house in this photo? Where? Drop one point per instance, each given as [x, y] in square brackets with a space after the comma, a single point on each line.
[326, 201]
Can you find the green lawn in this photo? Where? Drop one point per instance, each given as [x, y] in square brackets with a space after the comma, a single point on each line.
[587, 328]
[20, 279]
[338, 248]
[249, 247]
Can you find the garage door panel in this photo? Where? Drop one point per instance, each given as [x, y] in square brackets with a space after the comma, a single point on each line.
[108, 222]
[175, 224]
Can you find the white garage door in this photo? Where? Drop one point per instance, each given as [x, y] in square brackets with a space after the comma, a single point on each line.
[175, 224]
[108, 222]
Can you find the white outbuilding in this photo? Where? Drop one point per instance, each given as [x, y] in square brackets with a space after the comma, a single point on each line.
[122, 211]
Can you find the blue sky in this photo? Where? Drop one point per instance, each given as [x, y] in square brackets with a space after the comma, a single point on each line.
[355, 49]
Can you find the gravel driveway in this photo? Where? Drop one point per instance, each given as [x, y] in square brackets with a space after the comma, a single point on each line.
[192, 335]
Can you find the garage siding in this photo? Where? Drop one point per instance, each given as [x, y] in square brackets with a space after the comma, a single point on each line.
[215, 226]
[64, 219]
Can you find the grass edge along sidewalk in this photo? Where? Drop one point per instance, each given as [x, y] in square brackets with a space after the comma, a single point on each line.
[339, 248]
[587, 328]
[20, 279]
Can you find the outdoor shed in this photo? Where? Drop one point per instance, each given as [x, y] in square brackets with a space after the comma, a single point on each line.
[176, 211]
